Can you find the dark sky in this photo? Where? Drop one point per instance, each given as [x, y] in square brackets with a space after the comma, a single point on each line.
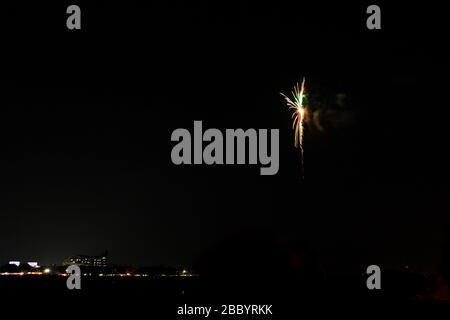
[87, 116]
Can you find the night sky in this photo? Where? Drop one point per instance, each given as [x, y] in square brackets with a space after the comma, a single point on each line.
[86, 119]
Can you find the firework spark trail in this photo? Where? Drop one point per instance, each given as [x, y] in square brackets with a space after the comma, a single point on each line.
[298, 117]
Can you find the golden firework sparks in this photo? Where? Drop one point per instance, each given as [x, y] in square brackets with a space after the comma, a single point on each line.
[298, 116]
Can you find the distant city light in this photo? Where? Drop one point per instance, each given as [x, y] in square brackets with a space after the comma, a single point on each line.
[17, 263]
[47, 270]
[33, 264]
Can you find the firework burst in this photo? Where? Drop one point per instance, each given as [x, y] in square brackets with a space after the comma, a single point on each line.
[298, 116]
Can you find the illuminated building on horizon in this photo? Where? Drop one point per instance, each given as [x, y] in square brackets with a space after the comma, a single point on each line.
[18, 263]
[87, 261]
